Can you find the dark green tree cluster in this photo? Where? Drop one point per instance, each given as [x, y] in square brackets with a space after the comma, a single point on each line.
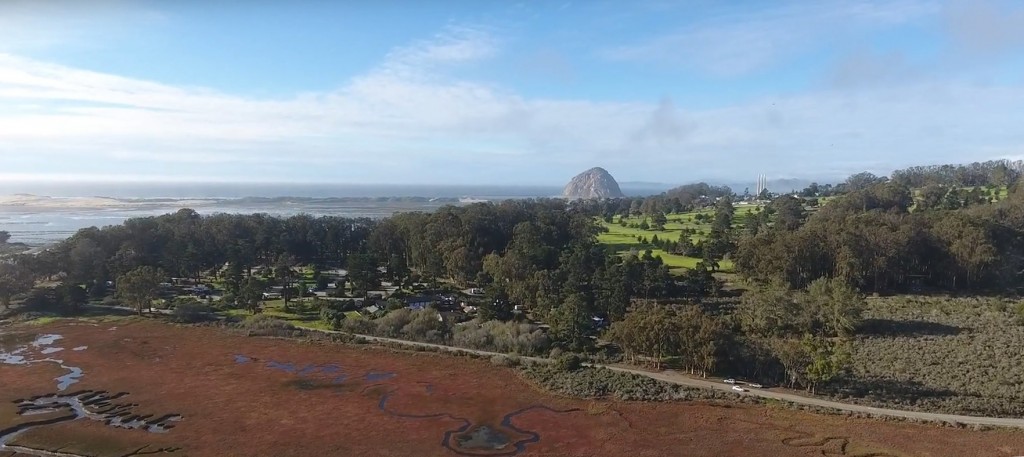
[453, 242]
[978, 174]
[872, 240]
[450, 243]
[63, 299]
[14, 280]
[799, 337]
[827, 308]
[938, 196]
[584, 283]
[651, 333]
[139, 287]
[185, 244]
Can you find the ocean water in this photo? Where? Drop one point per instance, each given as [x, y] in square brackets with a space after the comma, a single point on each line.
[135, 190]
[73, 206]
[42, 226]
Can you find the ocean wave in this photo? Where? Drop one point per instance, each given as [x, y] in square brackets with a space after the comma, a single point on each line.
[11, 222]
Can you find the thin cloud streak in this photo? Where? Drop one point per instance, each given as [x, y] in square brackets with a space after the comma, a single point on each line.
[735, 45]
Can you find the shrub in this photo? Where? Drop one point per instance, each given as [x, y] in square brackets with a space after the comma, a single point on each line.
[505, 361]
[588, 382]
[497, 336]
[332, 313]
[394, 304]
[189, 311]
[264, 325]
[228, 299]
[569, 362]
[427, 326]
[998, 305]
[938, 354]
[392, 323]
[98, 290]
[359, 326]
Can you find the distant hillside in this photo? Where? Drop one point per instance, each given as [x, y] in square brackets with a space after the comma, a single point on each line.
[641, 188]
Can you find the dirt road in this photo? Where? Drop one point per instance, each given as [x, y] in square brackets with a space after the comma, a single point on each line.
[683, 380]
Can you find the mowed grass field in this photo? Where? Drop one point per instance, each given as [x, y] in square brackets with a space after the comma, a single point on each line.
[623, 240]
[1000, 193]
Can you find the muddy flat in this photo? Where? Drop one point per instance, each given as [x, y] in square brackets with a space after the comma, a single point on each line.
[148, 388]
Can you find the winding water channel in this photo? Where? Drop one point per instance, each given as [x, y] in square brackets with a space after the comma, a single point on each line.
[468, 438]
[62, 406]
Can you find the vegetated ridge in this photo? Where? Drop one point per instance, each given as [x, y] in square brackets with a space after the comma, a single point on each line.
[593, 183]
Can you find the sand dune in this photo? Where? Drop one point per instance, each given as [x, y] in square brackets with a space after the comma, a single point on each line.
[25, 201]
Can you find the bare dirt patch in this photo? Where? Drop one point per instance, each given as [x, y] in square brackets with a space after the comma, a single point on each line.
[259, 396]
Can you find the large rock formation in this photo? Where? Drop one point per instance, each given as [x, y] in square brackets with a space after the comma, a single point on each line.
[593, 183]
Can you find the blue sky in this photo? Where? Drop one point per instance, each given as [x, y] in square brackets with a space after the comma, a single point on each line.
[496, 92]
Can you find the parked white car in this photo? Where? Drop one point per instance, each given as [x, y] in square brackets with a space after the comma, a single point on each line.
[730, 381]
[738, 389]
[755, 385]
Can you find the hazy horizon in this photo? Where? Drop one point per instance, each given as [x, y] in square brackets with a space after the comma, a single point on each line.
[184, 190]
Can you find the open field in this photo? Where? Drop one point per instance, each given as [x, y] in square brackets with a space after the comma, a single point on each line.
[302, 313]
[624, 239]
[203, 391]
[940, 354]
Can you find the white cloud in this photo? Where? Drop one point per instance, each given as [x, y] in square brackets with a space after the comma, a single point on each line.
[664, 127]
[42, 24]
[866, 67]
[985, 27]
[406, 121]
[741, 42]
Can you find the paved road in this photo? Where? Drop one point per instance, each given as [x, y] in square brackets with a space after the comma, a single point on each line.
[684, 380]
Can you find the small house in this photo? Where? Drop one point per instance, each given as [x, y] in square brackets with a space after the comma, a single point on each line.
[419, 302]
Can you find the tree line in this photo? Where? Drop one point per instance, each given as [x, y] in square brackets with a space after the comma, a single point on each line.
[978, 174]
[875, 240]
[539, 253]
[773, 335]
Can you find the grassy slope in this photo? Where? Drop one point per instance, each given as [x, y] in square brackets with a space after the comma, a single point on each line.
[623, 239]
